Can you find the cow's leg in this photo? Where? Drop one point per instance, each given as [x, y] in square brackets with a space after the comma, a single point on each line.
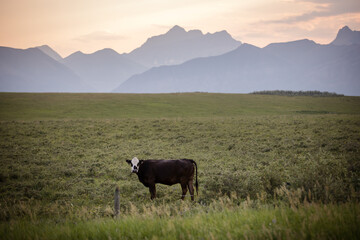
[191, 189]
[184, 190]
[152, 189]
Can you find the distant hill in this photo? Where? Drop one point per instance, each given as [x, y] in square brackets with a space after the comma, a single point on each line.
[104, 69]
[50, 52]
[298, 65]
[31, 70]
[346, 36]
[177, 46]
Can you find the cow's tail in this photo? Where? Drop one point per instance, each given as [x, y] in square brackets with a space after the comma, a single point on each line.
[196, 181]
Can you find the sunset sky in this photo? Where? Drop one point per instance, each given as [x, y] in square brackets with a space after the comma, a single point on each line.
[88, 25]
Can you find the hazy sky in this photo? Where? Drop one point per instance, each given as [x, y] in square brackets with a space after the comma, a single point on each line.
[89, 25]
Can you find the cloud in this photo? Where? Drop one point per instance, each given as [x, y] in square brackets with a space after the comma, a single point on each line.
[324, 8]
[100, 36]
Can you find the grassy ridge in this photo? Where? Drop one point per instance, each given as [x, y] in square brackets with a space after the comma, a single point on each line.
[63, 154]
[26, 106]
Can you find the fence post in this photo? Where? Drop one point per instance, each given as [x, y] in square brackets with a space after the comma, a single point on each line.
[117, 202]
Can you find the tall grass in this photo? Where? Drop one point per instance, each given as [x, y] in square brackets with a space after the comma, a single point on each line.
[224, 218]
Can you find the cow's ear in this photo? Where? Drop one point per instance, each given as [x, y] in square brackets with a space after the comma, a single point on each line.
[128, 161]
[141, 162]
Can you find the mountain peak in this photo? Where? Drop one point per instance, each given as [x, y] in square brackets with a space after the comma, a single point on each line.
[50, 52]
[110, 50]
[304, 41]
[178, 45]
[223, 32]
[106, 51]
[346, 36]
[44, 46]
[345, 28]
[78, 53]
[177, 29]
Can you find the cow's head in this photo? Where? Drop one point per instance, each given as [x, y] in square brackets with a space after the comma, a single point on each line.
[135, 164]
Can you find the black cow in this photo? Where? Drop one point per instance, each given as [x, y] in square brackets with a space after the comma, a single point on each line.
[167, 172]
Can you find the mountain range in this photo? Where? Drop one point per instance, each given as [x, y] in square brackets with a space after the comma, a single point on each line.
[103, 70]
[31, 70]
[297, 65]
[178, 46]
[188, 61]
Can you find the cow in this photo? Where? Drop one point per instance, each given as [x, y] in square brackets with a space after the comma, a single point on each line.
[168, 172]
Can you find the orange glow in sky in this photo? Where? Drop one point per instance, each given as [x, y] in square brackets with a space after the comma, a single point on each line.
[88, 25]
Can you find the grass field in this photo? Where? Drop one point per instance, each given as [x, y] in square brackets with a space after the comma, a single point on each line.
[27, 106]
[260, 158]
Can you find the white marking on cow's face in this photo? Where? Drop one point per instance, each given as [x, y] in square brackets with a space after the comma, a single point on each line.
[135, 165]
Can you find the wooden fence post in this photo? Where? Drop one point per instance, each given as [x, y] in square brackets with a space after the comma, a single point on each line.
[117, 202]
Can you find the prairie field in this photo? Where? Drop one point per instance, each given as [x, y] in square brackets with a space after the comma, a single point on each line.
[272, 167]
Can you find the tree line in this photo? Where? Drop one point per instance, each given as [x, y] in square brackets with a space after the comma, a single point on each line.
[298, 93]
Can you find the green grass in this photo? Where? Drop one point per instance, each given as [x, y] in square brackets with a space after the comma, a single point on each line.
[62, 155]
[27, 106]
[306, 222]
